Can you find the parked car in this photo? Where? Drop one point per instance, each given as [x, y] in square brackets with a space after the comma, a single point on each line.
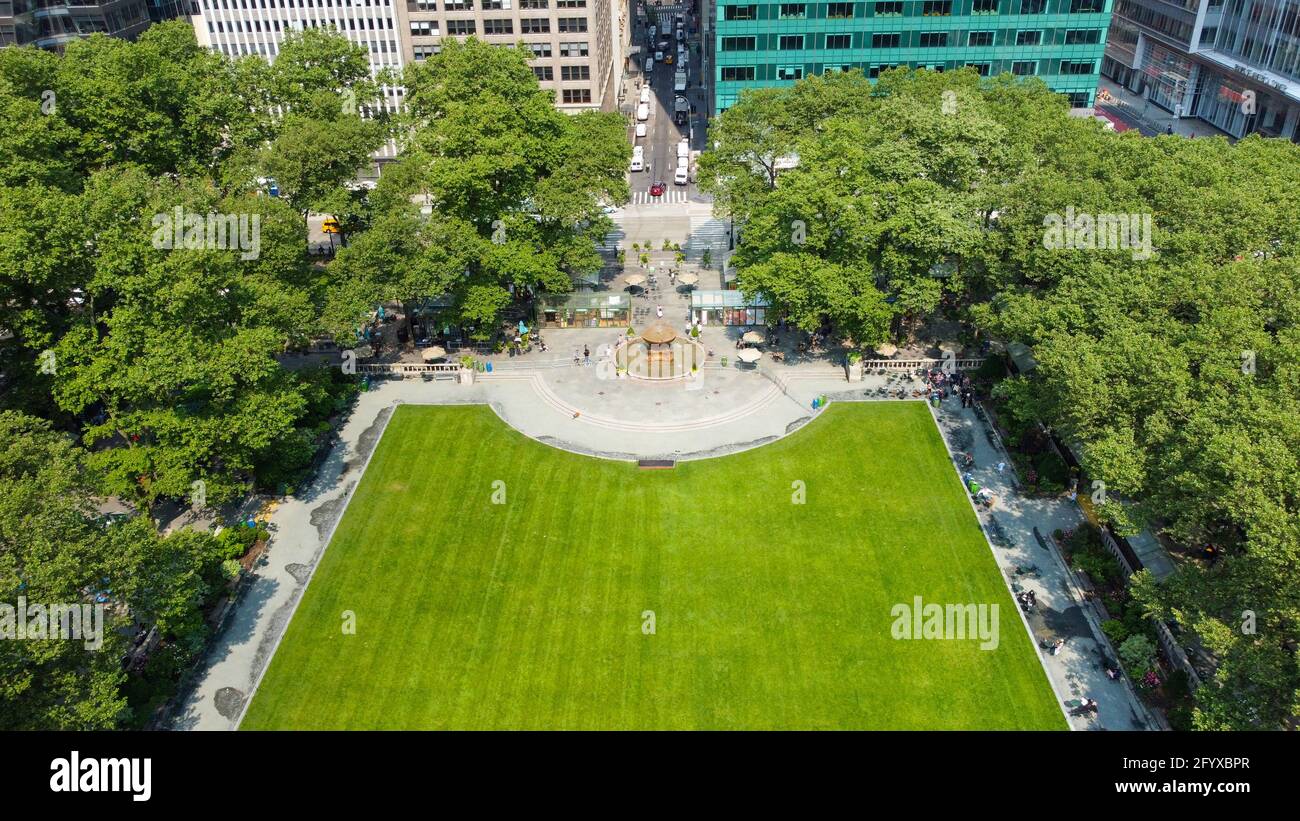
[680, 177]
[643, 112]
[640, 130]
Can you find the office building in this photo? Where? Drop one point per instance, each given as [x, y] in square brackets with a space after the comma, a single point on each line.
[1232, 63]
[761, 44]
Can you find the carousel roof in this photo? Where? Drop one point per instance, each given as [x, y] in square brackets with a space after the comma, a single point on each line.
[658, 333]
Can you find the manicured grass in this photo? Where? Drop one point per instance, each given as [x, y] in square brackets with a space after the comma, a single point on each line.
[769, 614]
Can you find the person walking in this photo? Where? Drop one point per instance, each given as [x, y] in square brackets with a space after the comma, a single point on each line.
[586, 355]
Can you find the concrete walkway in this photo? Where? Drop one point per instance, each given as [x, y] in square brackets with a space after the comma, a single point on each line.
[568, 406]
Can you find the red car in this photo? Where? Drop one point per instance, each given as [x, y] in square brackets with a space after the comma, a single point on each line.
[657, 190]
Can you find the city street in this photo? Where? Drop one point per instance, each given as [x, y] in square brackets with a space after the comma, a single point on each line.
[662, 134]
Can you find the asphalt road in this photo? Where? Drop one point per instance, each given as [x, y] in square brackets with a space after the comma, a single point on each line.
[662, 134]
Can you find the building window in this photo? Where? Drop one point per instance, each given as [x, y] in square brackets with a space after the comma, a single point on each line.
[1024, 68]
[789, 72]
[981, 68]
[839, 41]
[460, 26]
[570, 4]
[1033, 6]
[886, 40]
[424, 28]
[735, 74]
[498, 27]
[874, 71]
[573, 49]
[574, 96]
[738, 43]
[839, 11]
[572, 25]
[458, 5]
[793, 11]
[934, 39]
[495, 5]
[1078, 99]
[534, 4]
[425, 52]
[980, 38]
[984, 7]
[1075, 37]
[534, 25]
[1085, 6]
[570, 73]
[544, 72]
[540, 49]
[740, 13]
[1076, 66]
[1028, 38]
[790, 42]
[889, 8]
[936, 8]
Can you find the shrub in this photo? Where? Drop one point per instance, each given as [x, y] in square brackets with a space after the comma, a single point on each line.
[1138, 654]
[1115, 630]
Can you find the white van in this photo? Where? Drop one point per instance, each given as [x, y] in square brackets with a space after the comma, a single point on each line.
[645, 94]
[649, 66]
[680, 176]
[643, 112]
[638, 158]
[683, 151]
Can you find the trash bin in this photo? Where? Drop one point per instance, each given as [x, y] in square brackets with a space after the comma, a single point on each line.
[489, 367]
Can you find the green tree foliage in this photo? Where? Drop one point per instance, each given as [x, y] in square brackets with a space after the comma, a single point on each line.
[887, 181]
[509, 187]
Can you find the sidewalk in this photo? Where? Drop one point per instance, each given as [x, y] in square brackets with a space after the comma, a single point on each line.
[1136, 112]
[1020, 529]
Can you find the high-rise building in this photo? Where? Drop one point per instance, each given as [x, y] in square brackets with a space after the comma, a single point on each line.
[761, 44]
[1232, 63]
[51, 24]
[577, 45]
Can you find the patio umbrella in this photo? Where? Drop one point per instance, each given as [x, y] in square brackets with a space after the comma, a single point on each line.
[749, 355]
[430, 354]
[887, 349]
[635, 280]
[688, 278]
[752, 338]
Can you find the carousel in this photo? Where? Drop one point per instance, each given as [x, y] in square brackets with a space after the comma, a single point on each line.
[659, 354]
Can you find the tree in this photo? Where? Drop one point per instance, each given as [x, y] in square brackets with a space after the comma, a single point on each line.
[51, 550]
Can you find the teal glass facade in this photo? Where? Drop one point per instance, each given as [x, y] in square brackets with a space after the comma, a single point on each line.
[761, 44]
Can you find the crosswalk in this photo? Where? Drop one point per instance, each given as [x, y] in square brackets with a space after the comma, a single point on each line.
[707, 232]
[676, 8]
[672, 196]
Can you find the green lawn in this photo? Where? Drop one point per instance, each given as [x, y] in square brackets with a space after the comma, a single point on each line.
[768, 614]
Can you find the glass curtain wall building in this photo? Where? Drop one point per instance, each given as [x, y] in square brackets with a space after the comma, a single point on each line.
[1232, 63]
[761, 44]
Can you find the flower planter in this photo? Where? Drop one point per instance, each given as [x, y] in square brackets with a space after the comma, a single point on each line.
[855, 371]
[466, 376]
